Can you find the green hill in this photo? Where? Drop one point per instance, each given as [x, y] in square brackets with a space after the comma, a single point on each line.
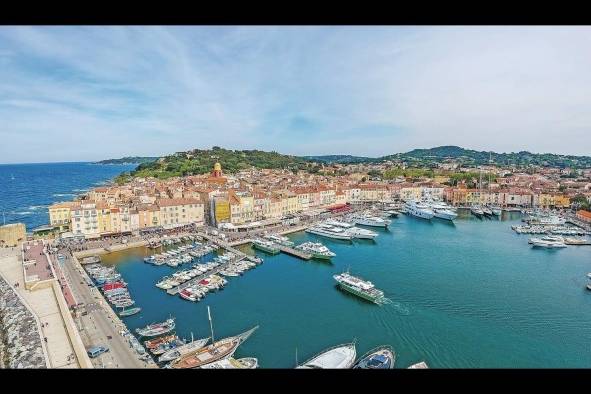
[472, 157]
[340, 159]
[201, 161]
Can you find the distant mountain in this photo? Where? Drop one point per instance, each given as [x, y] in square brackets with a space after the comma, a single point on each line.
[128, 160]
[340, 159]
[472, 157]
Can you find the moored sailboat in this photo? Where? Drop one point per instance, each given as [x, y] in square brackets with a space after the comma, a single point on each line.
[218, 350]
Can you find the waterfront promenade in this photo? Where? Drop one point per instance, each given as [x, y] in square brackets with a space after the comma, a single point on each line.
[98, 324]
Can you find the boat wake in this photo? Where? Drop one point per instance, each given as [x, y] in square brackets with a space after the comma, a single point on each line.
[63, 194]
[398, 307]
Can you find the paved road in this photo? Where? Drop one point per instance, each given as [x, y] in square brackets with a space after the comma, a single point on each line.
[97, 325]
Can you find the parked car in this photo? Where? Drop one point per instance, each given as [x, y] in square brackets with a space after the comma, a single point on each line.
[97, 351]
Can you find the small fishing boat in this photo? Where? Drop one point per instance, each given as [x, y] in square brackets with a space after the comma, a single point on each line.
[129, 312]
[156, 329]
[154, 343]
[382, 357]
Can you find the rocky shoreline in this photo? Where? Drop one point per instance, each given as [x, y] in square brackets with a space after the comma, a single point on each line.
[20, 342]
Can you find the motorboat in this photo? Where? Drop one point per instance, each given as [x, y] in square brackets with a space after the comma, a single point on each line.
[419, 210]
[317, 250]
[337, 357]
[382, 357]
[548, 241]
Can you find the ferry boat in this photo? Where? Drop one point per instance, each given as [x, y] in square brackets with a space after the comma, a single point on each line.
[382, 357]
[279, 239]
[180, 351]
[317, 250]
[419, 210]
[156, 329]
[373, 221]
[359, 287]
[549, 241]
[361, 233]
[233, 363]
[265, 246]
[216, 351]
[336, 357]
[328, 231]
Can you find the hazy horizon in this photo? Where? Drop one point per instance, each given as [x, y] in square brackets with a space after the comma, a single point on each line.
[71, 94]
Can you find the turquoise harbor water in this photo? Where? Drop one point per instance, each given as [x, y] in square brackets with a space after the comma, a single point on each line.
[469, 294]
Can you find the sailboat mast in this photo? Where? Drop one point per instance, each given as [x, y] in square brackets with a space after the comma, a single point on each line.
[210, 325]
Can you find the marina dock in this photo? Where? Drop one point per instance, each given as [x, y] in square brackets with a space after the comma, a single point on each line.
[197, 279]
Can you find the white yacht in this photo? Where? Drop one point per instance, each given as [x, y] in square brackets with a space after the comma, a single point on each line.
[329, 231]
[338, 357]
[361, 233]
[548, 241]
[317, 250]
[279, 239]
[339, 224]
[443, 211]
[373, 221]
[419, 210]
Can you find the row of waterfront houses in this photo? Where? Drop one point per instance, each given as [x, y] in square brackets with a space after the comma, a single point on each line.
[257, 196]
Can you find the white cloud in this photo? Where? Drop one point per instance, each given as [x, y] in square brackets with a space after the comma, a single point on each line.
[98, 92]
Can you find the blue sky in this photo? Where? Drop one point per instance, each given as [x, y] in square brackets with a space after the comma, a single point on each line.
[89, 93]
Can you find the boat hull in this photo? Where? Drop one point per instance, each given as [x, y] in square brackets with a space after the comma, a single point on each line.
[358, 293]
[342, 237]
[265, 249]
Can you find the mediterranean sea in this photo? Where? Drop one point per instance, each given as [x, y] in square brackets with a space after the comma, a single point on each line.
[26, 190]
[472, 294]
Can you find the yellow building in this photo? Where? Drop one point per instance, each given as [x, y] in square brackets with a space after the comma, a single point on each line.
[12, 234]
[221, 210]
[60, 215]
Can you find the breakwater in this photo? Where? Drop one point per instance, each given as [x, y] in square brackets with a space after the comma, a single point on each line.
[20, 341]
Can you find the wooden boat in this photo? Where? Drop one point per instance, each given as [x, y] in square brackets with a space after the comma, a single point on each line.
[154, 343]
[216, 351]
[233, 363]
